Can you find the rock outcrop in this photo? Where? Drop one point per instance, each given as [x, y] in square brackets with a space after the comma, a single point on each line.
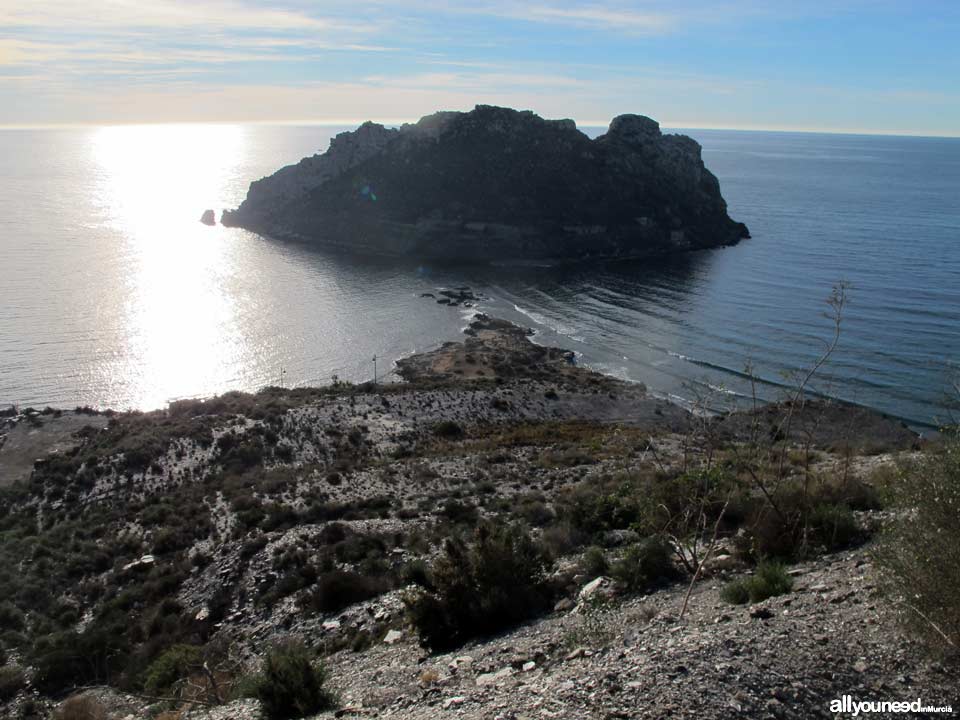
[495, 184]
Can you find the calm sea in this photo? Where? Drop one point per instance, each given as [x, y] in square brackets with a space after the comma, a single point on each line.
[113, 294]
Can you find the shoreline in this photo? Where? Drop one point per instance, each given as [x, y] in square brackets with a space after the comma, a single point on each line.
[495, 356]
[233, 499]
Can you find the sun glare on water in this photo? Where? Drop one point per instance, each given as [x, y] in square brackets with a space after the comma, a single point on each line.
[154, 183]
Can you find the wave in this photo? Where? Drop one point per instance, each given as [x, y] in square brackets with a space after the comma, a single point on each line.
[554, 326]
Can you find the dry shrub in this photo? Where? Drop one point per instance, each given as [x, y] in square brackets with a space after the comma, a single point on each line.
[920, 552]
[429, 677]
[81, 707]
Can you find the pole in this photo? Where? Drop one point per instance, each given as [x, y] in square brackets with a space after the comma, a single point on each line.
[374, 370]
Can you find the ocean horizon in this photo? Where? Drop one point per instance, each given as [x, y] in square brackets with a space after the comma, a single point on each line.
[115, 295]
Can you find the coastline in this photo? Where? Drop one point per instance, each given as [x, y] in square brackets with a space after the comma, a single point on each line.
[230, 498]
[494, 355]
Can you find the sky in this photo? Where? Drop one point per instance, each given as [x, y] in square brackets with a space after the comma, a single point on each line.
[875, 66]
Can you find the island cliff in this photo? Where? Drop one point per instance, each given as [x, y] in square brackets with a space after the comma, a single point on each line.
[496, 184]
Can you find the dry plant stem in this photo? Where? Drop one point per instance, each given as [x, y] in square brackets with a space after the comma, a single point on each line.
[656, 456]
[213, 684]
[706, 558]
[152, 698]
[930, 622]
[837, 302]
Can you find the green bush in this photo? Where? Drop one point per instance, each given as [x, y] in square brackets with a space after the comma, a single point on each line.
[12, 681]
[338, 589]
[803, 523]
[174, 664]
[11, 618]
[291, 685]
[769, 580]
[594, 562]
[69, 660]
[494, 583]
[919, 554]
[645, 564]
[833, 526]
[447, 429]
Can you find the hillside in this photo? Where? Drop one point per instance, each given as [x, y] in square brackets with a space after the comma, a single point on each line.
[226, 525]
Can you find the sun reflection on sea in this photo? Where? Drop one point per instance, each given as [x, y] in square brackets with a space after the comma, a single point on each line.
[181, 326]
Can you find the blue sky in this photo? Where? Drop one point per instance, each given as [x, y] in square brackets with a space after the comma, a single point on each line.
[846, 65]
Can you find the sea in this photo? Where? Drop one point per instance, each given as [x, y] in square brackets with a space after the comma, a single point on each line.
[114, 295]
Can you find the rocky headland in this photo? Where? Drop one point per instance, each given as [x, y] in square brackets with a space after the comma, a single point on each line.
[497, 185]
[150, 561]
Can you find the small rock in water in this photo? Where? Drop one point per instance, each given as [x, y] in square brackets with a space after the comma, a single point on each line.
[208, 217]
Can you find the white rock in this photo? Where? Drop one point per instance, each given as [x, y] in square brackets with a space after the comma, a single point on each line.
[462, 662]
[393, 637]
[494, 678]
[453, 702]
[596, 588]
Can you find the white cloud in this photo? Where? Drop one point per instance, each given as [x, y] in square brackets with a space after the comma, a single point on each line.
[111, 56]
[595, 16]
[177, 14]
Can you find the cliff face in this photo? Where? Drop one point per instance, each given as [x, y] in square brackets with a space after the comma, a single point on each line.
[496, 184]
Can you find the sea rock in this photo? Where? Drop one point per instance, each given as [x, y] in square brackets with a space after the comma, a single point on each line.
[497, 184]
[208, 217]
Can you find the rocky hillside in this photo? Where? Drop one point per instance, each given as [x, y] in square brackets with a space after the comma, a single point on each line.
[157, 558]
[495, 184]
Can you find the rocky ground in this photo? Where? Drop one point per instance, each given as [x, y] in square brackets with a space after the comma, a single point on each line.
[234, 508]
[33, 435]
[786, 657]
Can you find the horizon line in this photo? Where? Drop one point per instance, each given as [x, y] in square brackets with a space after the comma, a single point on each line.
[352, 122]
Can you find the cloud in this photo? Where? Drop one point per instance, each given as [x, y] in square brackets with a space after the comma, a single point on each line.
[112, 56]
[77, 37]
[475, 82]
[593, 16]
[175, 14]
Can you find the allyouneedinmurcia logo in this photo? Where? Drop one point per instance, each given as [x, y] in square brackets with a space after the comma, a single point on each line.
[847, 705]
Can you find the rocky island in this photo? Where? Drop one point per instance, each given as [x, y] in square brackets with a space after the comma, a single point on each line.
[497, 185]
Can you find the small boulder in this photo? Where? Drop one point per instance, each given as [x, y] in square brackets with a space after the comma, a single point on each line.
[600, 588]
[208, 217]
[494, 677]
[460, 663]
